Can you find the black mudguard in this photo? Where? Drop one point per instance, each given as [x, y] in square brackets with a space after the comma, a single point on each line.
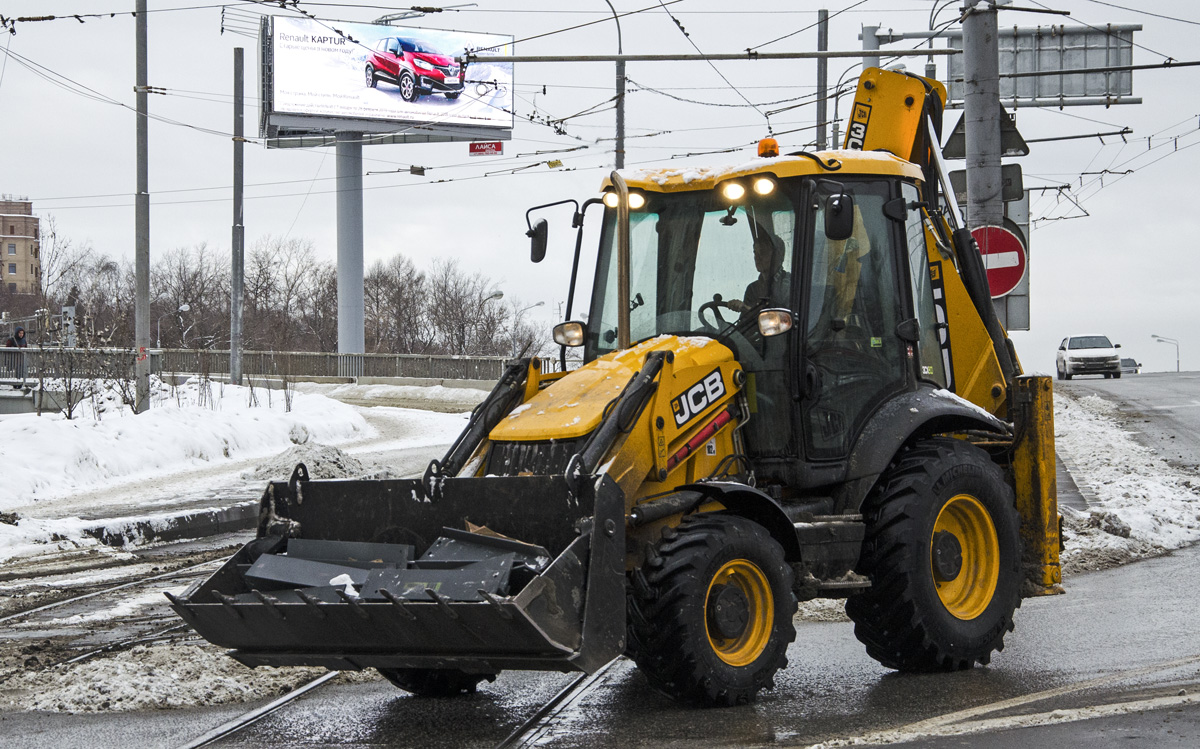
[911, 415]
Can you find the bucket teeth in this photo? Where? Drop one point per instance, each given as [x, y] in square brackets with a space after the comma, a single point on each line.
[354, 604]
[442, 602]
[400, 605]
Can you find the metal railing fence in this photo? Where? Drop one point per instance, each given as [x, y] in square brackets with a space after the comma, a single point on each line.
[57, 362]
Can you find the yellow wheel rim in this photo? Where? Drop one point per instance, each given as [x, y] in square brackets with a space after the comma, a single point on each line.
[965, 588]
[748, 587]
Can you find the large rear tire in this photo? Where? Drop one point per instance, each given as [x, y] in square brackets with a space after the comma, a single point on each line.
[711, 611]
[431, 682]
[943, 552]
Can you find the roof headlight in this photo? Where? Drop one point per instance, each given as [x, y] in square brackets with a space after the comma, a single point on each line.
[764, 186]
[611, 200]
[636, 200]
[733, 191]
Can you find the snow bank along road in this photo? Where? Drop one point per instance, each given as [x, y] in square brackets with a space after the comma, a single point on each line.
[1117, 640]
[200, 448]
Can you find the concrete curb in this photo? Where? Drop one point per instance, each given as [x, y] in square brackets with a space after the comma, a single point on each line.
[209, 521]
[1072, 493]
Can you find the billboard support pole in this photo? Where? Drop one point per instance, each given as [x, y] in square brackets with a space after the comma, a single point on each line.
[239, 236]
[141, 303]
[351, 337]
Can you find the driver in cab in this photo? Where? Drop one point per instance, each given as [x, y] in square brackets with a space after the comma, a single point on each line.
[772, 288]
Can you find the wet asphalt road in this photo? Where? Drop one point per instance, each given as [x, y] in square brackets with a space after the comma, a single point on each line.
[1123, 636]
[1128, 634]
[1163, 408]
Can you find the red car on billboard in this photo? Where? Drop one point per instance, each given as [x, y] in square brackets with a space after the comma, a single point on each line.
[416, 69]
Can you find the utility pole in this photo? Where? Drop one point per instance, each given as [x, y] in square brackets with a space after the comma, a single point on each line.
[141, 302]
[237, 272]
[870, 43]
[822, 76]
[620, 92]
[981, 113]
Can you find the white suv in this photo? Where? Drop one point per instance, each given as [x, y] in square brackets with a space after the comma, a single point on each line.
[1088, 354]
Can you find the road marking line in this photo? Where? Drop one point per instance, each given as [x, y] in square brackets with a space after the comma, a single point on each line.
[1193, 404]
[943, 724]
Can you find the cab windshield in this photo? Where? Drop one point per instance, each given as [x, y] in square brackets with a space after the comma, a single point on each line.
[699, 264]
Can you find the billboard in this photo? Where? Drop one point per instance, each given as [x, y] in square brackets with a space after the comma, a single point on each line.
[326, 76]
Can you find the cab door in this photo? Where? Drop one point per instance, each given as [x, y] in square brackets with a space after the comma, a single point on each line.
[853, 360]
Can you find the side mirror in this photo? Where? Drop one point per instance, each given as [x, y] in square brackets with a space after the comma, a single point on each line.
[839, 216]
[1117, 346]
[772, 322]
[570, 333]
[537, 240]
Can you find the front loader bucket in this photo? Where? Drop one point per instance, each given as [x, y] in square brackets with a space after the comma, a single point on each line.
[358, 574]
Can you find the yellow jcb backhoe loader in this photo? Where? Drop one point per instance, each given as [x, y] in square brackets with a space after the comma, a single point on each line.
[793, 386]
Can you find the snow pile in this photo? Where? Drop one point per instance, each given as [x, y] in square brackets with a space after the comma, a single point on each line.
[187, 426]
[322, 462]
[1145, 507]
[162, 675]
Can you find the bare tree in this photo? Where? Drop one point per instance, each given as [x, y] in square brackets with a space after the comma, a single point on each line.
[63, 261]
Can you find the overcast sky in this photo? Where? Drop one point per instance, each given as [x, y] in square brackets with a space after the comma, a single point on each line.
[1127, 269]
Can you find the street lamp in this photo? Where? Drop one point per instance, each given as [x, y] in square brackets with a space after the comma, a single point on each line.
[182, 308]
[539, 304]
[1174, 342]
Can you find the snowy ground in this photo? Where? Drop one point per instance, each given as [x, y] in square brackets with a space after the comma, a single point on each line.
[199, 441]
[1145, 506]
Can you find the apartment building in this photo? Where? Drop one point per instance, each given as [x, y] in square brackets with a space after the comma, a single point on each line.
[20, 249]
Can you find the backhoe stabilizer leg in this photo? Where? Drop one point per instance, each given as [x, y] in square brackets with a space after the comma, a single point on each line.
[1034, 482]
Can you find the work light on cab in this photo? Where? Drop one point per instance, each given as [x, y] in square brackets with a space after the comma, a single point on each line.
[733, 191]
[764, 186]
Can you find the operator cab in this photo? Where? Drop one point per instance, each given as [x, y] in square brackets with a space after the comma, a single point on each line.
[707, 262]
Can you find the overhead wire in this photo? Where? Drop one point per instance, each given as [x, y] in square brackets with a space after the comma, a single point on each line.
[711, 64]
[1106, 31]
[1145, 12]
[806, 28]
[643, 87]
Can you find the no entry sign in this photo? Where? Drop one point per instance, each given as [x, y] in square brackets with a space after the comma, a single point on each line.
[1003, 256]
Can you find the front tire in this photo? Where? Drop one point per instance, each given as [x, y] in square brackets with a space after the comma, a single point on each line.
[711, 611]
[371, 79]
[408, 86]
[1116, 375]
[943, 552]
[432, 682]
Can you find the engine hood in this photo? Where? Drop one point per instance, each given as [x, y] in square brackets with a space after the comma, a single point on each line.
[574, 405]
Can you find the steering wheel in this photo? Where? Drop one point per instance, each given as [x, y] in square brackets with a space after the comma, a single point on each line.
[715, 306]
